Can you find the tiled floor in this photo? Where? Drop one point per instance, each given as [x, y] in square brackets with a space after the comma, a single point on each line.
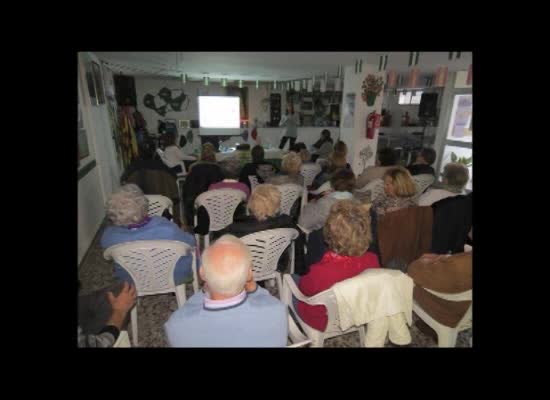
[95, 273]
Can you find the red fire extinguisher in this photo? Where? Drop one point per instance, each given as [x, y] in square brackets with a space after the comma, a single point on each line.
[373, 123]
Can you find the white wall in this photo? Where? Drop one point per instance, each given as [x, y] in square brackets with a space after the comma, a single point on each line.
[95, 187]
[355, 137]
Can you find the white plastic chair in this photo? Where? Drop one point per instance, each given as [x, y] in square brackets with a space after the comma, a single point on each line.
[446, 336]
[289, 193]
[180, 176]
[309, 171]
[220, 204]
[253, 179]
[151, 265]
[325, 298]
[266, 248]
[123, 340]
[422, 182]
[296, 337]
[157, 204]
[325, 187]
[375, 187]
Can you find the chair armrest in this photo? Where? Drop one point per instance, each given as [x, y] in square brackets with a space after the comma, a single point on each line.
[296, 336]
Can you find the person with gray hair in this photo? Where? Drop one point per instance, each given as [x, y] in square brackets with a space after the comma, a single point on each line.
[455, 177]
[231, 168]
[127, 211]
[230, 310]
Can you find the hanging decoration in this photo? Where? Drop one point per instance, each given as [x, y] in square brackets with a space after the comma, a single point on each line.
[413, 78]
[392, 79]
[441, 76]
[372, 86]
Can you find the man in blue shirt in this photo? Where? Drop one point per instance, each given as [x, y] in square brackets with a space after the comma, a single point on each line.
[127, 210]
[231, 310]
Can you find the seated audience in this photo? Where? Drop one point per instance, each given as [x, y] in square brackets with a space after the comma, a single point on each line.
[336, 161]
[455, 177]
[264, 205]
[348, 235]
[173, 154]
[258, 167]
[231, 169]
[387, 158]
[449, 274]
[290, 171]
[322, 147]
[201, 175]
[297, 147]
[127, 211]
[305, 156]
[315, 213]
[399, 189]
[231, 310]
[154, 177]
[423, 162]
[115, 306]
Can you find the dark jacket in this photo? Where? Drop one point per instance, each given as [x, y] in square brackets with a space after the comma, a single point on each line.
[200, 177]
[452, 220]
[249, 224]
[420, 169]
[251, 169]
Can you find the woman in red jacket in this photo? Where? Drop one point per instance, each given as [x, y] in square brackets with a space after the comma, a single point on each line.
[348, 236]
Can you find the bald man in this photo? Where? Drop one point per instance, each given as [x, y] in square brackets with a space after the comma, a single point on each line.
[231, 310]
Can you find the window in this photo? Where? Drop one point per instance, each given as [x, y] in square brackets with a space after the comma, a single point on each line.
[408, 98]
[460, 127]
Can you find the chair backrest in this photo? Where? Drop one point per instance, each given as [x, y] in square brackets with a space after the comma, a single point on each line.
[220, 205]
[253, 182]
[422, 182]
[158, 203]
[309, 171]
[266, 248]
[150, 263]
[375, 187]
[289, 193]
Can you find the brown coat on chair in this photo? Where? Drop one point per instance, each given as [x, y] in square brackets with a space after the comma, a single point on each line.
[444, 274]
[405, 234]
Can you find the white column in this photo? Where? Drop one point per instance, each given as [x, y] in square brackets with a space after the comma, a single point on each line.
[356, 137]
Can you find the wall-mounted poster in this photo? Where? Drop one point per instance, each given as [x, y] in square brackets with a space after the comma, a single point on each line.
[83, 150]
[349, 110]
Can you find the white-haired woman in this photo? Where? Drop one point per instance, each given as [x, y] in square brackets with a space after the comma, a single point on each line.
[264, 205]
[127, 210]
[290, 167]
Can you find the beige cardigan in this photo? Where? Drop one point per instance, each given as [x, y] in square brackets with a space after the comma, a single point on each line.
[375, 293]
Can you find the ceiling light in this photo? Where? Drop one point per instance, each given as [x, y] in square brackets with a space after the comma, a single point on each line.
[274, 85]
[257, 84]
[338, 85]
[240, 83]
[297, 86]
[183, 78]
[205, 81]
[224, 82]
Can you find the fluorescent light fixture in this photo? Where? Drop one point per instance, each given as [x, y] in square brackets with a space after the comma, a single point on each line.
[205, 81]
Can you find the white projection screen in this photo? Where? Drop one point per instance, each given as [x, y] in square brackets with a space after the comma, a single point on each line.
[219, 115]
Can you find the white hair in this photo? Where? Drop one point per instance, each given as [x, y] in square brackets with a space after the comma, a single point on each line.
[127, 205]
[226, 265]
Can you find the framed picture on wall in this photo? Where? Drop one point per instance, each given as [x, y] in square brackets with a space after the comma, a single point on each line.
[185, 124]
[98, 81]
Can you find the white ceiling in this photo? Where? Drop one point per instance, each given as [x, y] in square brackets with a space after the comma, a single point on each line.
[264, 66]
